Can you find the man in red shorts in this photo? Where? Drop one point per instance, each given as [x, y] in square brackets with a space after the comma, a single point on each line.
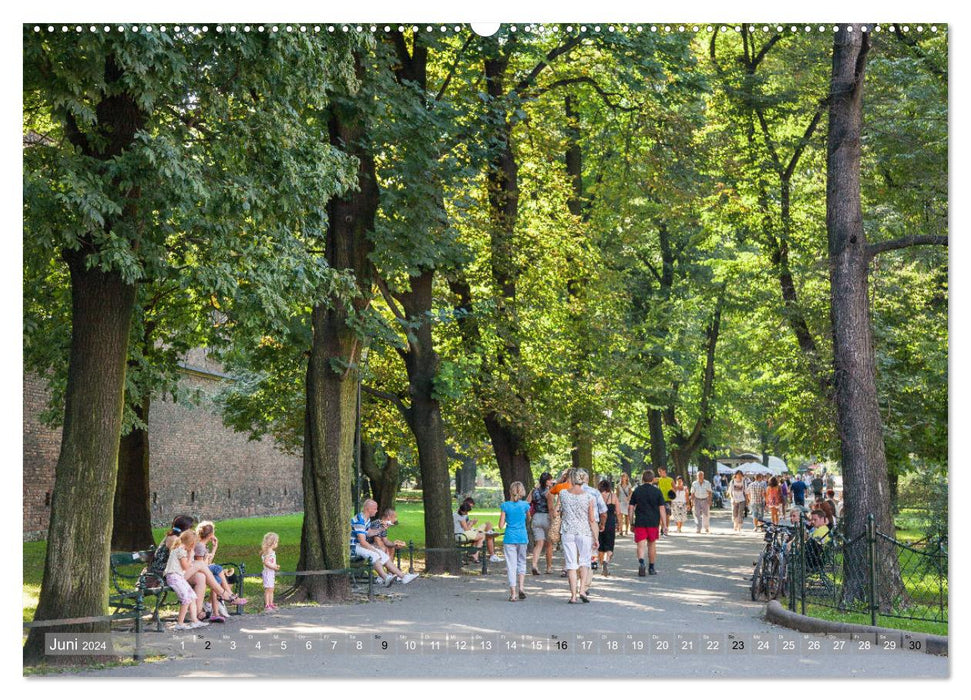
[649, 516]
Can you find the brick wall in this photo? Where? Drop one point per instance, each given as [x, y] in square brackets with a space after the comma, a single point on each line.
[198, 467]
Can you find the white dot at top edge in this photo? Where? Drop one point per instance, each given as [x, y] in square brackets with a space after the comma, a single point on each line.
[680, 29]
[849, 28]
[863, 28]
[906, 28]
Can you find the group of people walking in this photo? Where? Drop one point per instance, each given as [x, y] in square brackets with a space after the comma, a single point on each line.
[584, 522]
[769, 495]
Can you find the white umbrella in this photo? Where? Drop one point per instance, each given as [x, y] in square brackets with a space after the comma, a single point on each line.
[754, 468]
[724, 468]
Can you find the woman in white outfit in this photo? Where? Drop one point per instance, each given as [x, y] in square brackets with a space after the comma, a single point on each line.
[577, 524]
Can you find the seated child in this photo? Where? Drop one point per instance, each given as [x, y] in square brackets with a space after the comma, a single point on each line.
[175, 578]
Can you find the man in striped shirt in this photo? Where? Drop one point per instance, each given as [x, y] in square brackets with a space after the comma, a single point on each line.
[360, 547]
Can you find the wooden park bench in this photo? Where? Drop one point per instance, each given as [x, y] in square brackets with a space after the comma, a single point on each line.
[138, 590]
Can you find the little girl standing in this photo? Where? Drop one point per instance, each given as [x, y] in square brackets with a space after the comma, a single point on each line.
[270, 567]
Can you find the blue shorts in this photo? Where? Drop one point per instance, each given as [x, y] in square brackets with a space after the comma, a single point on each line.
[216, 570]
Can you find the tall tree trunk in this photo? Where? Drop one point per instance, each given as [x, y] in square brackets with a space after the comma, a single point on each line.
[865, 484]
[132, 523]
[332, 370]
[75, 582]
[425, 419]
[582, 450]
[385, 480]
[465, 475]
[502, 176]
[655, 424]
[684, 445]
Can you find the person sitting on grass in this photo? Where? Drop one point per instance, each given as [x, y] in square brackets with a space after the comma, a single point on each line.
[360, 547]
[175, 579]
[378, 536]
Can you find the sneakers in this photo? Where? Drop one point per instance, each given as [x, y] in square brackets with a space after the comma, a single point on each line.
[197, 625]
[223, 612]
[216, 618]
[389, 581]
[642, 570]
[651, 570]
[408, 578]
[494, 558]
[180, 628]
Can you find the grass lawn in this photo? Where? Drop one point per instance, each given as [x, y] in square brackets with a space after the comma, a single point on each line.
[239, 541]
[897, 623]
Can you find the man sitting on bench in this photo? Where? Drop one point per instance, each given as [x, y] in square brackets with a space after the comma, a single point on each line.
[819, 537]
[360, 547]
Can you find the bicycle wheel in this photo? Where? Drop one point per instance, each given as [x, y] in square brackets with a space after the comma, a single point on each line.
[757, 582]
[773, 580]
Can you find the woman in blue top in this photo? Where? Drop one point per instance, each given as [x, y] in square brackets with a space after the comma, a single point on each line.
[513, 519]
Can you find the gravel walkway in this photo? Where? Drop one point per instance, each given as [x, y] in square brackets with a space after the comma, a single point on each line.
[675, 624]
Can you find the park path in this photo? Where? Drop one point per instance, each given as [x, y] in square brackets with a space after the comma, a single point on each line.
[700, 593]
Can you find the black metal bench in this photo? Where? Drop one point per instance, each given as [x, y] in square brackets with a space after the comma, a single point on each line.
[468, 548]
[133, 584]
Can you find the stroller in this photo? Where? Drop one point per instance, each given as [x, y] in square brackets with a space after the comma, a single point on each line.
[717, 500]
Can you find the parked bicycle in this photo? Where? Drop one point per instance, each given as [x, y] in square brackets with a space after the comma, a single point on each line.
[770, 578]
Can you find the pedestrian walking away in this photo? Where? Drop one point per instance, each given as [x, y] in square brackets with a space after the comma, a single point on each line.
[649, 515]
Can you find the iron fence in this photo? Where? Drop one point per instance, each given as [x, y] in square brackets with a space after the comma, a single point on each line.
[871, 574]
